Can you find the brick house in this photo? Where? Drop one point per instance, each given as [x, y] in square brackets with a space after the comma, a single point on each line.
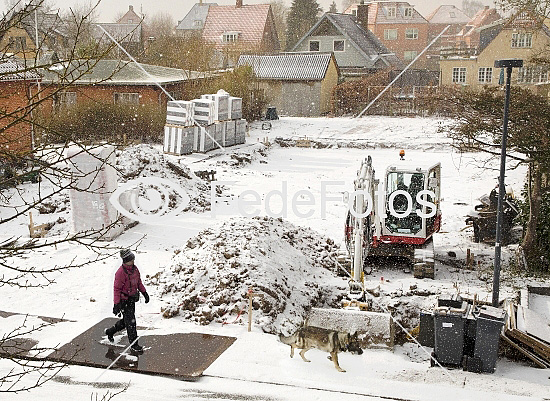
[116, 82]
[19, 36]
[234, 29]
[520, 37]
[357, 51]
[469, 36]
[15, 91]
[297, 84]
[397, 25]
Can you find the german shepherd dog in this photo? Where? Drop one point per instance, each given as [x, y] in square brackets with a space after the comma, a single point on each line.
[331, 341]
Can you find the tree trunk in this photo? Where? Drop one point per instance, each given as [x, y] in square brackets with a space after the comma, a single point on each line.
[530, 243]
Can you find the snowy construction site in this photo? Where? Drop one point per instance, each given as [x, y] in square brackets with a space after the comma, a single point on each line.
[277, 241]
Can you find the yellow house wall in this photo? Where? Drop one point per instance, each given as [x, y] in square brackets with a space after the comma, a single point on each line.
[327, 85]
[499, 48]
[17, 32]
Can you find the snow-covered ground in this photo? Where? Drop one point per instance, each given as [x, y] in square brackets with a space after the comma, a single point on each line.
[257, 366]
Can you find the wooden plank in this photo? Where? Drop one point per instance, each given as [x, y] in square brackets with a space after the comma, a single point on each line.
[540, 349]
[535, 359]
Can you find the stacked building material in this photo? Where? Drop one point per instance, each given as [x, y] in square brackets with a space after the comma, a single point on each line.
[235, 108]
[180, 113]
[240, 132]
[528, 332]
[204, 113]
[204, 124]
[229, 138]
[178, 140]
[221, 105]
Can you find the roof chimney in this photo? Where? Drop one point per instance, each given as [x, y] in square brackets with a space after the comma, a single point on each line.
[131, 8]
[363, 14]
[239, 3]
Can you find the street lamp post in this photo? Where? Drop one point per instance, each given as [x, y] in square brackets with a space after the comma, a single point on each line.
[508, 64]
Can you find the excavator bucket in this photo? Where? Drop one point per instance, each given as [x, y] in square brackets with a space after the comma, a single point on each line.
[373, 329]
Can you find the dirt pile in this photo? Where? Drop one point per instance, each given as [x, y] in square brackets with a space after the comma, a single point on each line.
[291, 267]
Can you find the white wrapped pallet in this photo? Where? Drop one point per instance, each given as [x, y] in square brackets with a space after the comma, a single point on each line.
[221, 105]
[178, 140]
[240, 132]
[220, 133]
[180, 112]
[204, 110]
[206, 133]
[95, 181]
[229, 138]
[235, 108]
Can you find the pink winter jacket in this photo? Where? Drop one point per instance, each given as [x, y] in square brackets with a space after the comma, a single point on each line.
[127, 282]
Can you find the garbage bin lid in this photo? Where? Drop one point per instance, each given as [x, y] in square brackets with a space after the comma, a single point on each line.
[490, 312]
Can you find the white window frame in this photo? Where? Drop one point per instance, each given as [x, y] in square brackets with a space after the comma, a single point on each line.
[318, 45]
[197, 23]
[409, 55]
[522, 40]
[532, 74]
[387, 34]
[343, 45]
[459, 75]
[230, 37]
[391, 12]
[411, 33]
[65, 99]
[408, 12]
[485, 75]
[126, 97]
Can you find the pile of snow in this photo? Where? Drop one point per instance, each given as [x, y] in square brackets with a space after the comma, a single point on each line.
[291, 267]
[147, 161]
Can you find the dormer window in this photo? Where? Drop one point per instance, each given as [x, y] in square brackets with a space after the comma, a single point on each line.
[452, 14]
[197, 23]
[408, 12]
[391, 12]
[230, 37]
[130, 21]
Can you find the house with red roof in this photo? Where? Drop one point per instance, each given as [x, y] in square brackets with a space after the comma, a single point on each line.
[236, 29]
[469, 36]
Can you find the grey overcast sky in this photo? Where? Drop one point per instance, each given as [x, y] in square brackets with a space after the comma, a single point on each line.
[108, 9]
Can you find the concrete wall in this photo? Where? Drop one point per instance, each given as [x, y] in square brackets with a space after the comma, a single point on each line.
[293, 98]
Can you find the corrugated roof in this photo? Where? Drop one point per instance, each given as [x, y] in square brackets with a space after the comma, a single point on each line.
[448, 15]
[197, 13]
[13, 71]
[288, 66]
[109, 72]
[249, 21]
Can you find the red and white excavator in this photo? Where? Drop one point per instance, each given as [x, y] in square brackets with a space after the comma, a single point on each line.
[394, 217]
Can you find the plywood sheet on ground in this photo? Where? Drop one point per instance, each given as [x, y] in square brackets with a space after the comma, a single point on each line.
[533, 324]
[183, 355]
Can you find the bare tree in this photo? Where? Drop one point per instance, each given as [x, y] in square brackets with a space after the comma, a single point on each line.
[280, 12]
[160, 25]
[47, 159]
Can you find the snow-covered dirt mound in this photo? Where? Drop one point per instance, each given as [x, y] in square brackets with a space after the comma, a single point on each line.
[291, 267]
[147, 161]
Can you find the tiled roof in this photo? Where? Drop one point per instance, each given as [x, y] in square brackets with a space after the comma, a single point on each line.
[363, 40]
[13, 71]
[109, 72]
[288, 66]
[448, 15]
[382, 18]
[249, 21]
[197, 13]
[483, 17]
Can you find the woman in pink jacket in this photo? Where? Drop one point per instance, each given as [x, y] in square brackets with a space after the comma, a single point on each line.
[127, 287]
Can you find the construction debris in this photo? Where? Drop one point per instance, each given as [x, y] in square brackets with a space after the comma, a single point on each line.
[527, 332]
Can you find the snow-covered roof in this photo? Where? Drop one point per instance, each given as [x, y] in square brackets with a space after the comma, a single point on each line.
[288, 66]
[109, 72]
[195, 18]
[448, 14]
[13, 71]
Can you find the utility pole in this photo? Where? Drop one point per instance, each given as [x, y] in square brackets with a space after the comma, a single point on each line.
[508, 64]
